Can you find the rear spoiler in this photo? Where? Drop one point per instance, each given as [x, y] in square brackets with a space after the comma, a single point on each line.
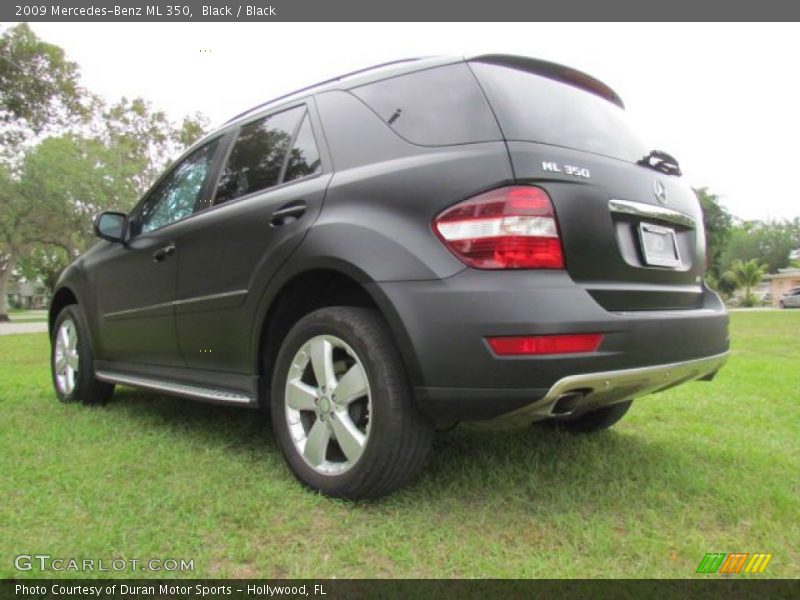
[554, 71]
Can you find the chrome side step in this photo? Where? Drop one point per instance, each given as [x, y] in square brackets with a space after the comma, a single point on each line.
[187, 390]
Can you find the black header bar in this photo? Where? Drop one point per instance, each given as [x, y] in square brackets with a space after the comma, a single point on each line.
[407, 10]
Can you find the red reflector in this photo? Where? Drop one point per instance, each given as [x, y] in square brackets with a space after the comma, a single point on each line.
[545, 344]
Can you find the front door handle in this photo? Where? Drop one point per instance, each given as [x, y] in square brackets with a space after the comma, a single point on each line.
[288, 213]
[164, 252]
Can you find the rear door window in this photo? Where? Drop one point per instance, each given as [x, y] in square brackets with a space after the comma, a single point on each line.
[435, 107]
[258, 155]
[304, 157]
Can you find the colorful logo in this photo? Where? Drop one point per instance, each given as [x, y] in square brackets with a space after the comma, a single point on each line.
[734, 563]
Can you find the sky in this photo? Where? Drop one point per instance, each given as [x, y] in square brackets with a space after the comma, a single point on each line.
[723, 99]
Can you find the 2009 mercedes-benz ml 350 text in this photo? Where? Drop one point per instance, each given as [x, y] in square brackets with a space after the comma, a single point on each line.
[420, 243]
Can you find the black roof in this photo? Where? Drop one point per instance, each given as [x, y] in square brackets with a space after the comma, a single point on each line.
[399, 67]
[356, 78]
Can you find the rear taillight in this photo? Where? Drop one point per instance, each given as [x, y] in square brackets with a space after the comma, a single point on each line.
[508, 228]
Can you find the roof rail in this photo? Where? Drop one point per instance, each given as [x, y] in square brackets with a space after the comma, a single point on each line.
[321, 83]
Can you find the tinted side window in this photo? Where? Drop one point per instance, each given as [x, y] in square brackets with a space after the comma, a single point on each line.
[175, 197]
[435, 107]
[257, 157]
[304, 157]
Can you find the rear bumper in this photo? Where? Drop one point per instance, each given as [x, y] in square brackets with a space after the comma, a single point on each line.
[589, 391]
[441, 327]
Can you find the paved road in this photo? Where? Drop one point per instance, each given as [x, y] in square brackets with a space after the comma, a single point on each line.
[11, 328]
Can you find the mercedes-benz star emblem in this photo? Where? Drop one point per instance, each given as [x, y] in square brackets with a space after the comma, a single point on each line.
[660, 191]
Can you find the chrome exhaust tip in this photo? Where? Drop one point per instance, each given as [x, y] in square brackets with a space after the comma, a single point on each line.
[567, 403]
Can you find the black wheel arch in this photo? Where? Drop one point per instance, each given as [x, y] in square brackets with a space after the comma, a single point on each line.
[67, 295]
[287, 299]
[63, 297]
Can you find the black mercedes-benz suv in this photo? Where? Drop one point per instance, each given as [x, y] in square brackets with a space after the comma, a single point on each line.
[429, 241]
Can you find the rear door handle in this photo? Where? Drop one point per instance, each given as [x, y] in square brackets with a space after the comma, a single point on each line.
[288, 213]
[164, 252]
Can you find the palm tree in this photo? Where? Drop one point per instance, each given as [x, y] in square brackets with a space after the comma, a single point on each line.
[746, 275]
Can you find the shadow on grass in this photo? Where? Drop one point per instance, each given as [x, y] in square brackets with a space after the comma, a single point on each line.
[468, 463]
[235, 428]
[542, 465]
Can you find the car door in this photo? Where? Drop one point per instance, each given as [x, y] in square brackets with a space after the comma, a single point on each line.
[136, 281]
[269, 190]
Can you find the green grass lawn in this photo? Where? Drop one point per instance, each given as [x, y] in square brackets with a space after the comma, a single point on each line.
[705, 467]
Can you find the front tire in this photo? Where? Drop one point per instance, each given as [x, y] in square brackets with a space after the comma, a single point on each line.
[342, 410]
[71, 361]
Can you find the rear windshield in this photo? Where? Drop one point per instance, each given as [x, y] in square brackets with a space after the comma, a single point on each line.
[534, 108]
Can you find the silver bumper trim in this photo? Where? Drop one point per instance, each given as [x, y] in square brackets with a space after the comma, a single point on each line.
[610, 387]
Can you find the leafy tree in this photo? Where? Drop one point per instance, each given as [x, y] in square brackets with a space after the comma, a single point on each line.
[63, 182]
[769, 243]
[65, 156]
[746, 275]
[38, 89]
[723, 285]
[794, 255]
[146, 137]
[17, 228]
[67, 180]
[43, 263]
[794, 258]
[10, 239]
[717, 222]
[191, 129]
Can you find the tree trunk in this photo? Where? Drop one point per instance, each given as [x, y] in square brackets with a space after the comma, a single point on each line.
[6, 267]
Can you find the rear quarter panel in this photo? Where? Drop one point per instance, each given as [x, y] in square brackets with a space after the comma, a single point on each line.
[386, 191]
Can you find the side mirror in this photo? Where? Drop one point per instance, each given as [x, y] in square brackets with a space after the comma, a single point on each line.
[110, 226]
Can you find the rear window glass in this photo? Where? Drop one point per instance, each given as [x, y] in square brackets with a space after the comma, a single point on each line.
[538, 109]
[435, 107]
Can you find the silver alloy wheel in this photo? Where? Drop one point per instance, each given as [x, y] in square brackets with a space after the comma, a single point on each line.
[328, 405]
[66, 356]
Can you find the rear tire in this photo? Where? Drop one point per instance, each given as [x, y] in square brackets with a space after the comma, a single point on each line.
[342, 409]
[72, 361]
[593, 421]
